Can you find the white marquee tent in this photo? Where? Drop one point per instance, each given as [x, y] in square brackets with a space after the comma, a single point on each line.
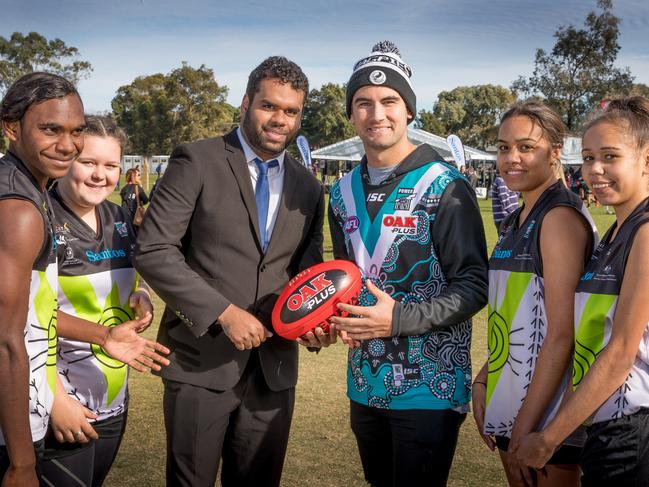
[571, 151]
[352, 149]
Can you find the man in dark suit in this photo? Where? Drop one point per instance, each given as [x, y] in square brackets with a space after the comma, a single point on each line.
[233, 220]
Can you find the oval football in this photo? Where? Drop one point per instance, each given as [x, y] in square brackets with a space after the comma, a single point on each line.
[310, 298]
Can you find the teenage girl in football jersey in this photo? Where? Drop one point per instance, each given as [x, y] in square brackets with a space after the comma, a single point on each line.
[97, 282]
[611, 365]
[533, 271]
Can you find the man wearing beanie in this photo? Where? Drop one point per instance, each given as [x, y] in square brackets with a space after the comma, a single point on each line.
[412, 225]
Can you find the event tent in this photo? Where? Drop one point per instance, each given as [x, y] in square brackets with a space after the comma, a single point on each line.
[352, 149]
[571, 151]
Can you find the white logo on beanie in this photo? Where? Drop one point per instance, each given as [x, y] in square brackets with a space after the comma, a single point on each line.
[377, 77]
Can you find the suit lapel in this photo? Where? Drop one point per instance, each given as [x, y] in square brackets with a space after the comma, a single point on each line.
[285, 202]
[241, 172]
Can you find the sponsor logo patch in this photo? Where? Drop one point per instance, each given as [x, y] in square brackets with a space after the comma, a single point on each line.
[404, 199]
[402, 225]
[502, 254]
[104, 255]
[352, 224]
[121, 228]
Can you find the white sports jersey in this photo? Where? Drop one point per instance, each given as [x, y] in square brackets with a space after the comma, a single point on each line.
[96, 279]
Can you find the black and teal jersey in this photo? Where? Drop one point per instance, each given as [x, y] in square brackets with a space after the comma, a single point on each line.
[16, 182]
[596, 300]
[517, 322]
[419, 237]
[96, 279]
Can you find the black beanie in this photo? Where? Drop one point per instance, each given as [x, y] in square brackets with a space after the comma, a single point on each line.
[383, 67]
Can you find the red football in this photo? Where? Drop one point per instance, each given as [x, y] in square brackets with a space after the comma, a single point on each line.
[310, 298]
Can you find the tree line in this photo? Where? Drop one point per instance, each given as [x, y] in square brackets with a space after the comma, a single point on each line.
[160, 111]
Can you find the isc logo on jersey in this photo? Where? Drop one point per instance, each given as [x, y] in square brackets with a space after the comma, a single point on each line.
[312, 294]
[372, 197]
[402, 225]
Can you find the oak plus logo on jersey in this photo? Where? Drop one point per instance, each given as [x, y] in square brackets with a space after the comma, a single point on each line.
[401, 225]
[312, 294]
[351, 224]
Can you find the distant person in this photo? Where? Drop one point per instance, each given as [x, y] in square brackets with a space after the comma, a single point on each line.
[158, 169]
[503, 200]
[574, 180]
[472, 176]
[154, 187]
[132, 193]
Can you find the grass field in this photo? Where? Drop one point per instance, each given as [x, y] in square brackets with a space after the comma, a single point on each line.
[322, 449]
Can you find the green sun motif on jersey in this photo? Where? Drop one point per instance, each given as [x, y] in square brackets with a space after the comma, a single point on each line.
[45, 309]
[112, 312]
[589, 338]
[499, 325]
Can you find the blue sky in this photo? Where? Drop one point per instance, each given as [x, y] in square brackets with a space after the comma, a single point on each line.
[448, 43]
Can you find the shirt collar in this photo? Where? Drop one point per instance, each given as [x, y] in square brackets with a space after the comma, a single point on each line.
[250, 154]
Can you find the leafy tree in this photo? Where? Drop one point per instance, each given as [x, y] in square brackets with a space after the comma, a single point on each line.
[430, 123]
[144, 109]
[22, 54]
[639, 89]
[579, 71]
[324, 120]
[472, 112]
[160, 111]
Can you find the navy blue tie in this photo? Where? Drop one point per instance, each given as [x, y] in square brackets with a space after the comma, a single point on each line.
[262, 196]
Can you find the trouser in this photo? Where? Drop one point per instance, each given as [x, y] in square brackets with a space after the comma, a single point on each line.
[405, 447]
[248, 426]
[87, 464]
[4, 459]
[616, 452]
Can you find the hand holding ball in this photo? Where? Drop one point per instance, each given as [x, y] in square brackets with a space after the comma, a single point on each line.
[310, 298]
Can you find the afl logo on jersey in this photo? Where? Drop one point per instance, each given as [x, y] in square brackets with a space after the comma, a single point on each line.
[121, 228]
[377, 77]
[352, 224]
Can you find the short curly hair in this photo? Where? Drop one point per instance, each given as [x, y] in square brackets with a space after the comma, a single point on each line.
[277, 67]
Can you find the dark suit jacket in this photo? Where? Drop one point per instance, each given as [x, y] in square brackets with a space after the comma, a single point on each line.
[199, 249]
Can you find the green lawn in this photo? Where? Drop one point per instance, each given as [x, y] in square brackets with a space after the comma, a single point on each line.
[322, 450]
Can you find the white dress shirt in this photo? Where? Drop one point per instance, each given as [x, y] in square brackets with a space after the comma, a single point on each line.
[275, 181]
